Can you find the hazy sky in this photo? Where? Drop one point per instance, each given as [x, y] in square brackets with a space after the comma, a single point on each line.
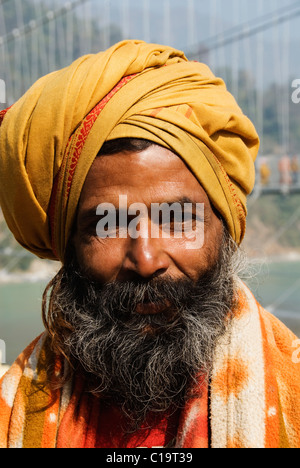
[209, 17]
[183, 23]
[270, 56]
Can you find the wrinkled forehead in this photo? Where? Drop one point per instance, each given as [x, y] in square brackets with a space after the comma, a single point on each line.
[153, 174]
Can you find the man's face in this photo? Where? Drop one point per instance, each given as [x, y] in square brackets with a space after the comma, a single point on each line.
[155, 175]
[142, 315]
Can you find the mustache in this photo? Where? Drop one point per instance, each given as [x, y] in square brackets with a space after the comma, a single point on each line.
[125, 296]
[120, 299]
[117, 304]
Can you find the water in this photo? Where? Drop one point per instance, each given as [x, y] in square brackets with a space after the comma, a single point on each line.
[276, 286]
[20, 315]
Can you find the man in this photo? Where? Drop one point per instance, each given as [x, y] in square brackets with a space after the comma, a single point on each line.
[132, 168]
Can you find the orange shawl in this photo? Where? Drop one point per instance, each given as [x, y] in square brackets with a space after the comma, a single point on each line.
[252, 400]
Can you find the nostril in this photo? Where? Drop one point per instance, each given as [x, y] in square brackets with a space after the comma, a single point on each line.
[159, 272]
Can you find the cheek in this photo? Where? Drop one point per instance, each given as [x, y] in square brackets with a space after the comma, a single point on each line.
[195, 261]
[192, 262]
[101, 259]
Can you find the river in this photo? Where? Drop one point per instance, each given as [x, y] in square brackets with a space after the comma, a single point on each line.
[275, 285]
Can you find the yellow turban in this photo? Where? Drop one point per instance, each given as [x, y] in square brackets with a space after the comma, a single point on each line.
[50, 137]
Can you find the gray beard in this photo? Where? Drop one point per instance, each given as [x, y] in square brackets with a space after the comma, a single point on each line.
[144, 363]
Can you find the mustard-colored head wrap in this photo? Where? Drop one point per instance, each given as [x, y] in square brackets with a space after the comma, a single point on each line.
[50, 137]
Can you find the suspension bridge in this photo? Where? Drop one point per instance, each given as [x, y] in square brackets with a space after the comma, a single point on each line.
[277, 174]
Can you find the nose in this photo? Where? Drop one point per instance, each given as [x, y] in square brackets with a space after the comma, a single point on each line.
[145, 257]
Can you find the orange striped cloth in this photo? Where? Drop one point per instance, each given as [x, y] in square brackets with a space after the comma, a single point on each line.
[252, 400]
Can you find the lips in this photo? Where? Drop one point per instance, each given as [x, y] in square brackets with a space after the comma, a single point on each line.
[152, 308]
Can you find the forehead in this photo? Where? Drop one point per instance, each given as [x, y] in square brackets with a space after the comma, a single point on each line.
[154, 174]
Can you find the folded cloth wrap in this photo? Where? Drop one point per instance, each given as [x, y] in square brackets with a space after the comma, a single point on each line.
[51, 136]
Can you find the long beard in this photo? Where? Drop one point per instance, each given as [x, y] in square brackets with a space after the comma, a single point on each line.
[143, 363]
